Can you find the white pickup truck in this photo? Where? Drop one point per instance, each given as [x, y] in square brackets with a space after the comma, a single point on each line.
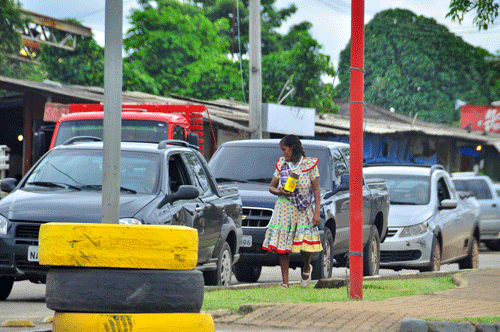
[482, 188]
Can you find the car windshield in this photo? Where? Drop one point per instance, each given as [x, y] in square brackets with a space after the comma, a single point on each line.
[405, 189]
[132, 130]
[257, 164]
[82, 170]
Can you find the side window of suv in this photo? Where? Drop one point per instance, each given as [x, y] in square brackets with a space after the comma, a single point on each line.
[443, 191]
[178, 174]
[197, 172]
[339, 165]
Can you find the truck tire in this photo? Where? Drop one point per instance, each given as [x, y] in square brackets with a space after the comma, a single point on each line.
[435, 263]
[102, 290]
[322, 268]
[472, 259]
[493, 245]
[371, 254]
[222, 275]
[6, 284]
[247, 272]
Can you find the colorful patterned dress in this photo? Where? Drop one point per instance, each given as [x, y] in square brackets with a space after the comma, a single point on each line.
[290, 228]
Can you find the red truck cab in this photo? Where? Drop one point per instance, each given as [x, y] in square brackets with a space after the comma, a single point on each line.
[140, 122]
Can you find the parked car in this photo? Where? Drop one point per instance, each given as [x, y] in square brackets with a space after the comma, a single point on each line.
[429, 223]
[250, 164]
[167, 184]
[482, 188]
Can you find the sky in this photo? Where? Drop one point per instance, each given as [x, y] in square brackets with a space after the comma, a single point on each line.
[331, 19]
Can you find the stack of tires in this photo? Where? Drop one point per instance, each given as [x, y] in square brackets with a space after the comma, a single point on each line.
[114, 277]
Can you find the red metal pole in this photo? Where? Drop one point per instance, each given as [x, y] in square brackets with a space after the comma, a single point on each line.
[356, 143]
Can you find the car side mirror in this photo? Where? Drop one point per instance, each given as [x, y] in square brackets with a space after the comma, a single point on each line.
[7, 185]
[184, 192]
[343, 186]
[448, 204]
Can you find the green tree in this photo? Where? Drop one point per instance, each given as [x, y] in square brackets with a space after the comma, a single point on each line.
[416, 65]
[486, 11]
[181, 49]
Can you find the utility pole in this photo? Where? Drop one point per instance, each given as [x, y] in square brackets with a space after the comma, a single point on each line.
[112, 132]
[255, 113]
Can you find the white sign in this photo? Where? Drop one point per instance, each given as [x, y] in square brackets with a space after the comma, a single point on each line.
[288, 120]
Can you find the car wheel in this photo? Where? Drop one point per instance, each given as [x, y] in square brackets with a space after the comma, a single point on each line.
[322, 268]
[247, 272]
[371, 254]
[493, 245]
[472, 259]
[222, 275]
[6, 284]
[435, 263]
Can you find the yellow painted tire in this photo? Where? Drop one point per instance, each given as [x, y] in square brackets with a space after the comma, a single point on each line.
[80, 322]
[118, 246]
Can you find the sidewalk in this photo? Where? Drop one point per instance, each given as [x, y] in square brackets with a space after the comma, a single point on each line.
[477, 295]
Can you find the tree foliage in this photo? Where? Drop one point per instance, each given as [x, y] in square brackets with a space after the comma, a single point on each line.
[181, 49]
[416, 65]
[486, 11]
[10, 43]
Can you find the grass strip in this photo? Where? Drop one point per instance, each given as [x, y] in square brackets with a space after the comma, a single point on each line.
[376, 290]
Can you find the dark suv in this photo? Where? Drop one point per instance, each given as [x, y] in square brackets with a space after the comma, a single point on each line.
[167, 184]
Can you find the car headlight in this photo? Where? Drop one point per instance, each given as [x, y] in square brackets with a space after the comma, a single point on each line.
[129, 221]
[414, 230]
[4, 223]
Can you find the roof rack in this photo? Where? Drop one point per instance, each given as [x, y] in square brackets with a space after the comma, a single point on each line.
[82, 139]
[163, 144]
[436, 167]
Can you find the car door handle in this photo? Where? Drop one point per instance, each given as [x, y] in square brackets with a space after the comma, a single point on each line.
[494, 205]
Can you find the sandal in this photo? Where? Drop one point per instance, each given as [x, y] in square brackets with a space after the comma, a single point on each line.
[284, 286]
[306, 282]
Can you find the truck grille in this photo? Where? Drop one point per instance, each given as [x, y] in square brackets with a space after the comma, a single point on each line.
[256, 217]
[27, 231]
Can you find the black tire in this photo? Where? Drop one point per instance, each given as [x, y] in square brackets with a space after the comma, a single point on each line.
[322, 268]
[371, 254]
[247, 272]
[222, 275]
[435, 263]
[6, 284]
[493, 245]
[101, 290]
[472, 259]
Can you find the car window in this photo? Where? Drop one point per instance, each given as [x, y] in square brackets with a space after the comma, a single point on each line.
[178, 174]
[405, 189]
[340, 167]
[442, 190]
[478, 187]
[197, 172]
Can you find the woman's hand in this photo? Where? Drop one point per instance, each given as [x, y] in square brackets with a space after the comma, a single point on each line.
[315, 220]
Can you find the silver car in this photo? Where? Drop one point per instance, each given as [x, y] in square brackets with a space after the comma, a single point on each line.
[429, 223]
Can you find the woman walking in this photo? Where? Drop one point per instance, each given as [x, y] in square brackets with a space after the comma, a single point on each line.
[293, 226]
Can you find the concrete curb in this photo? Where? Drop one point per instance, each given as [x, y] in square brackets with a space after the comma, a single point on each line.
[420, 325]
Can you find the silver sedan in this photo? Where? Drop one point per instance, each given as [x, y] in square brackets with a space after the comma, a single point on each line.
[430, 223]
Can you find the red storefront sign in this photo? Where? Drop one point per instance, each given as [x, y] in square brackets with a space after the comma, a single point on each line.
[53, 111]
[481, 118]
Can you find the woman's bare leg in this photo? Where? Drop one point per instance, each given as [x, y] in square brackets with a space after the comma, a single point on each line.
[306, 260]
[285, 266]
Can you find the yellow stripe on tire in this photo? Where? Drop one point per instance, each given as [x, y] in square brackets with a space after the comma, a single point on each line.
[79, 322]
[118, 246]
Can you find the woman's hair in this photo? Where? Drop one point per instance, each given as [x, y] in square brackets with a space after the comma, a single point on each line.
[292, 141]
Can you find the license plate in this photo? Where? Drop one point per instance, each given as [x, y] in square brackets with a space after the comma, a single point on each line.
[246, 241]
[33, 253]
